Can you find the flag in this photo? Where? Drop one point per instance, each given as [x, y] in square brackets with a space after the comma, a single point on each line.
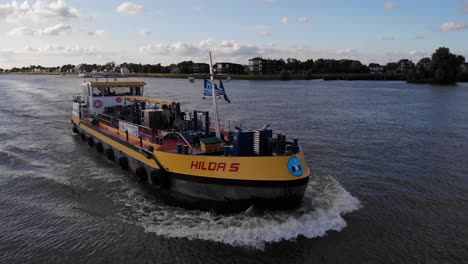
[208, 92]
[224, 92]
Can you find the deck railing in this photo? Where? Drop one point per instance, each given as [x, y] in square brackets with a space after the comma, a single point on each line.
[145, 132]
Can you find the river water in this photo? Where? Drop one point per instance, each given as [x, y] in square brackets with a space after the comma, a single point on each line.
[389, 185]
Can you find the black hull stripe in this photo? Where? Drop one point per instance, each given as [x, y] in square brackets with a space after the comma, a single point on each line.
[247, 183]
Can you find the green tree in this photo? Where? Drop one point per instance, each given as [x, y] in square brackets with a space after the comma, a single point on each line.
[444, 65]
[284, 75]
[355, 67]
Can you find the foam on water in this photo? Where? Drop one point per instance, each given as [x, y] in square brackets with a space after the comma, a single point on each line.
[325, 203]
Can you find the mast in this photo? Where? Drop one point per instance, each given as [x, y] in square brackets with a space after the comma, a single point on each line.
[215, 106]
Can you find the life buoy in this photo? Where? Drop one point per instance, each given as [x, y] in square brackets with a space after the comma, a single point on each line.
[97, 103]
[118, 99]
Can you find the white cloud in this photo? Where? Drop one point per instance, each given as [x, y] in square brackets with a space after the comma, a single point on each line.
[145, 32]
[53, 49]
[56, 30]
[130, 8]
[265, 34]
[21, 31]
[284, 20]
[452, 26]
[233, 48]
[346, 52]
[178, 49]
[197, 8]
[390, 5]
[388, 38]
[303, 20]
[418, 53]
[15, 12]
[225, 49]
[206, 44]
[97, 33]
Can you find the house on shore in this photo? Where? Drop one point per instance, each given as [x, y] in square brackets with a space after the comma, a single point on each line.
[260, 66]
[229, 68]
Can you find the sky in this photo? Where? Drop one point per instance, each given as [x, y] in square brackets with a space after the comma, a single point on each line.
[57, 32]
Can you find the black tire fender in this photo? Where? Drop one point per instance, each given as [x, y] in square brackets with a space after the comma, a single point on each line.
[123, 162]
[99, 147]
[141, 174]
[160, 179]
[110, 154]
[90, 141]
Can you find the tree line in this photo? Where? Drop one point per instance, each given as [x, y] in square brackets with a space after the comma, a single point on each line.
[442, 67]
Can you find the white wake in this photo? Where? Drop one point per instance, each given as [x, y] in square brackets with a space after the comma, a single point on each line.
[325, 203]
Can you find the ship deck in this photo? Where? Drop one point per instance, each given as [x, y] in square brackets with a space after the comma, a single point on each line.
[169, 145]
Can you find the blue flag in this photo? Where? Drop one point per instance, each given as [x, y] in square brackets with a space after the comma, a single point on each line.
[224, 92]
[219, 91]
[208, 92]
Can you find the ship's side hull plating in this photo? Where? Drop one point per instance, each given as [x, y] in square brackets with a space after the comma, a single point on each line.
[216, 183]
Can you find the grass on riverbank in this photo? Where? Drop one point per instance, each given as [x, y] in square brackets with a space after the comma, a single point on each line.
[324, 76]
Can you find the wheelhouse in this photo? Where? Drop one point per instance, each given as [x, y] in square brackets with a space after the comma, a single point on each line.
[97, 96]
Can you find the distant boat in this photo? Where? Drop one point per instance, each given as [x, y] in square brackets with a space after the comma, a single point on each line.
[84, 75]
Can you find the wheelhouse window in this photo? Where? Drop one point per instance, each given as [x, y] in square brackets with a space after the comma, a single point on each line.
[136, 90]
[119, 91]
[97, 91]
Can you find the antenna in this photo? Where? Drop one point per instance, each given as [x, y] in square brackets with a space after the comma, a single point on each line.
[215, 106]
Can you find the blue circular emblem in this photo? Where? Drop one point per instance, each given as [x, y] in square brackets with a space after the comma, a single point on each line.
[295, 166]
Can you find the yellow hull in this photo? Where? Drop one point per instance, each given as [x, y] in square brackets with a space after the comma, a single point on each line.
[212, 180]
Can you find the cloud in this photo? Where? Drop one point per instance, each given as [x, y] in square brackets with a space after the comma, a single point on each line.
[346, 52]
[452, 26]
[268, 1]
[303, 20]
[53, 49]
[178, 49]
[233, 48]
[227, 49]
[197, 8]
[21, 31]
[419, 37]
[388, 38]
[284, 21]
[390, 5]
[265, 34]
[15, 12]
[145, 32]
[418, 53]
[130, 8]
[464, 9]
[206, 44]
[97, 33]
[57, 30]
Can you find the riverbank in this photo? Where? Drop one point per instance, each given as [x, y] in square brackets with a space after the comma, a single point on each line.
[324, 76]
[314, 76]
